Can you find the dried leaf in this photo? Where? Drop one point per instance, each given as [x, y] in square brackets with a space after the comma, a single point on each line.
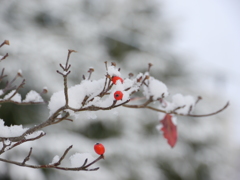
[169, 129]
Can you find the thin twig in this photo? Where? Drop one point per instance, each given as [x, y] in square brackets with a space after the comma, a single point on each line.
[28, 157]
[173, 112]
[17, 89]
[63, 156]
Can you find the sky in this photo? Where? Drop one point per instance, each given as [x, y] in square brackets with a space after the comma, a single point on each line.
[209, 32]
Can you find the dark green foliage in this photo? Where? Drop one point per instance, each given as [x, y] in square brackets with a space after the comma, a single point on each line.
[98, 130]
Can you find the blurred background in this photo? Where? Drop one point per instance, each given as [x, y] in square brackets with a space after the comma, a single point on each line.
[194, 49]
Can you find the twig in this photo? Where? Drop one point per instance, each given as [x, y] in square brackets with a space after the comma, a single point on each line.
[26, 140]
[84, 167]
[63, 156]
[17, 89]
[27, 157]
[6, 42]
[4, 57]
[173, 112]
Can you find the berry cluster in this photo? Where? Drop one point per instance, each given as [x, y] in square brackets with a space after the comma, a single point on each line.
[118, 95]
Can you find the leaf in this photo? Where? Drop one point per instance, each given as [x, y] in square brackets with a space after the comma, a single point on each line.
[169, 129]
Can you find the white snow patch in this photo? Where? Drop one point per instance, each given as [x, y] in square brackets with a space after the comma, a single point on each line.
[155, 88]
[17, 97]
[76, 94]
[19, 72]
[178, 100]
[11, 131]
[33, 96]
[113, 71]
[15, 130]
[54, 160]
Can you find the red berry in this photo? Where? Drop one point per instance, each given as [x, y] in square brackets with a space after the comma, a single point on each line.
[99, 148]
[116, 78]
[118, 95]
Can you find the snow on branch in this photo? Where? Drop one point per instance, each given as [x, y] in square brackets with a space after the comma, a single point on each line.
[108, 92]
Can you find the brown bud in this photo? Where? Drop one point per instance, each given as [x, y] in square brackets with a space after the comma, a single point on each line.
[91, 70]
[7, 42]
[113, 63]
[139, 79]
[70, 50]
[147, 77]
[19, 73]
[45, 90]
[130, 75]
[149, 66]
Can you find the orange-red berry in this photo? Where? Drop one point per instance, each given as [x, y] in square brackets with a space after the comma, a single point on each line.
[99, 148]
[118, 95]
[116, 78]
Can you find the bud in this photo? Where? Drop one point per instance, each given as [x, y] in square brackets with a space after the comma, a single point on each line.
[91, 70]
[113, 63]
[45, 90]
[19, 73]
[130, 75]
[7, 42]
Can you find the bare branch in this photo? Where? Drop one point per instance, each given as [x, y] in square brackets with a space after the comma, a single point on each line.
[210, 114]
[27, 157]
[26, 140]
[174, 111]
[84, 167]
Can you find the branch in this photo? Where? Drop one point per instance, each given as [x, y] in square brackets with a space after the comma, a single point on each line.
[84, 167]
[145, 105]
[28, 157]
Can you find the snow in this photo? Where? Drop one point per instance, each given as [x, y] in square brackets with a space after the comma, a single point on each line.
[15, 130]
[90, 88]
[12, 131]
[55, 160]
[186, 102]
[180, 104]
[78, 159]
[33, 96]
[76, 94]
[113, 71]
[17, 97]
[19, 72]
[156, 89]
[174, 120]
